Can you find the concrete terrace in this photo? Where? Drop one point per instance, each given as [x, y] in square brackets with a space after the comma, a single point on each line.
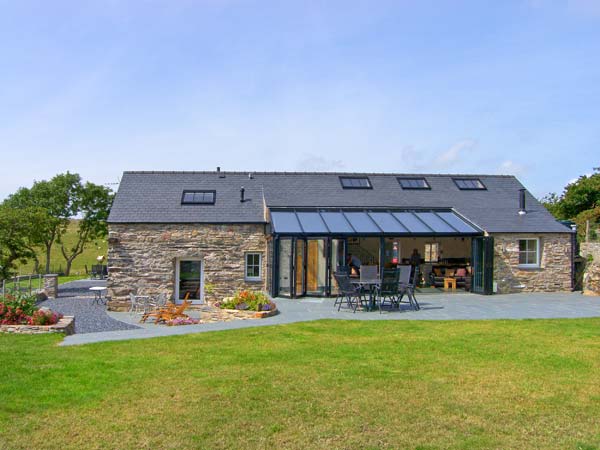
[433, 307]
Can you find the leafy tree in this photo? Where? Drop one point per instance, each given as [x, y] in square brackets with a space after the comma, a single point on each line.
[17, 228]
[582, 195]
[552, 203]
[92, 203]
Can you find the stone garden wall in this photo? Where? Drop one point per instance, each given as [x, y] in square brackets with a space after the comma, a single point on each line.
[142, 258]
[66, 325]
[554, 273]
[591, 275]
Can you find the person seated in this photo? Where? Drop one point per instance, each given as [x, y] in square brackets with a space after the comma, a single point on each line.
[354, 263]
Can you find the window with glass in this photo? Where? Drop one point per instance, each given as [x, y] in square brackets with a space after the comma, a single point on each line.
[529, 255]
[469, 184]
[253, 266]
[355, 182]
[432, 252]
[413, 183]
[198, 197]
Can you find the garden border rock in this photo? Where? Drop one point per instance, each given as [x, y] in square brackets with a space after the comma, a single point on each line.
[66, 325]
[245, 314]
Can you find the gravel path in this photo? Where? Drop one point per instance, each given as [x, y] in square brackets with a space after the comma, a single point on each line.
[75, 299]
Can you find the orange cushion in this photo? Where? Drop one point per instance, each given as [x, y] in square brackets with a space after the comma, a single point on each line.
[437, 271]
[449, 272]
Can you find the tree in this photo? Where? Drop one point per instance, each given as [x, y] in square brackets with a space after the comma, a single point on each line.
[92, 203]
[57, 198]
[580, 196]
[17, 227]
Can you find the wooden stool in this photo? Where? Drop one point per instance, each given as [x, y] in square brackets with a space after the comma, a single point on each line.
[450, 283]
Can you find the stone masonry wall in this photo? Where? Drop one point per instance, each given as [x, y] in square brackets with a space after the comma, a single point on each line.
[142, 258]
[554, 273]
[591, 275]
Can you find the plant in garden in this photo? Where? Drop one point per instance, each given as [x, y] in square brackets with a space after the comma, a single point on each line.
[182, 321]
[247, 300]
[19, 309]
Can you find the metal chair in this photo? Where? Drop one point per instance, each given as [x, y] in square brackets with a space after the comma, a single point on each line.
[405, 286]
[349, 294]
[368, 273]
[389, 288]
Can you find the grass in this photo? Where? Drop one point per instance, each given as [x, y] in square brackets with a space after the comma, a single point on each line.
[324, 384]
[57, 261]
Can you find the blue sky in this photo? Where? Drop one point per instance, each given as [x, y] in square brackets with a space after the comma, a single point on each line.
[404, 86]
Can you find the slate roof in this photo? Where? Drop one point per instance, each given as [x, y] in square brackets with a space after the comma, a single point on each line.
[155, 197]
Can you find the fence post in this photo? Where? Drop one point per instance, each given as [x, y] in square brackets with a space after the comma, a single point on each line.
[51, 285]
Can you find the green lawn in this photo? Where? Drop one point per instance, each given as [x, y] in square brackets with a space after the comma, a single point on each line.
[326, 384]
[37, 283]
[57, 261]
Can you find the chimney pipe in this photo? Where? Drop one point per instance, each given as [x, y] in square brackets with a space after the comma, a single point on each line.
[218, 169]
[522, 210]
[242, 191]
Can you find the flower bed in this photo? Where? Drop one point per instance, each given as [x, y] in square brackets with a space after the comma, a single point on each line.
[249, 303]
[17, 310]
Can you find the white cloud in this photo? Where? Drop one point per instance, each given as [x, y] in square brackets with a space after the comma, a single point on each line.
[509, 167]
[314, 163]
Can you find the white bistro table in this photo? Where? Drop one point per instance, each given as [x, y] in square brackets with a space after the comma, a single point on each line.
[98, 299]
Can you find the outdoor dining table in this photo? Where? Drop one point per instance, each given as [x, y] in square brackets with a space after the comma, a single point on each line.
[372, 285]
[98, 299]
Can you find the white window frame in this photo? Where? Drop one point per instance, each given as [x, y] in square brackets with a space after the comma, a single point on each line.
[260, 271]
[177, 270]
[535, 265]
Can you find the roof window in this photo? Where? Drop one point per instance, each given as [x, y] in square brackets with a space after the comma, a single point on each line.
[355, 183]
[198, 197]
[413, 183]
[469, 184]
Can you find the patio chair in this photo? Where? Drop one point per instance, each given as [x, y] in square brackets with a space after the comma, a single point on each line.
[368, 273]
[167, 313]
[389, 288]
[405, 286]
[349, 294]
[137, 304]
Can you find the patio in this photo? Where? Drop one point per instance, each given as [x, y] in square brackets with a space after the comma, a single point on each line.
[433, 307]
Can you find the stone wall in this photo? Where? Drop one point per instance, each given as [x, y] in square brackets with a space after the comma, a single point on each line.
[66, 325]
[554, 273]
[142, 258]
[591, 275]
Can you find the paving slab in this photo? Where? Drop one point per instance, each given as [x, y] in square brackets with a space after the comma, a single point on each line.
[433, 307]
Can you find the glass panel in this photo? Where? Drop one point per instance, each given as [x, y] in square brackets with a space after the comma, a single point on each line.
[285, 258]
[361, 222]
[336, 222]
[299, 267]
[188, 197]
[469, 183]
[456, 222]
[411, 223]
[355, 182]
[285, 222]
[316, 267]
[522, 245]
[413, 183]
[337, 261]
[189, 280]
[311, 222]
[387, 222]
[253, 265]
[435, 223]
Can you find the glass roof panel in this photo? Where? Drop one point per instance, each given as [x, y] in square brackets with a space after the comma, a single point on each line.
[435, 223]
[336, 222]
[285, 222]
[361, 222]
[412, 224]
[311, 222]
[387, 222]
[457, 222]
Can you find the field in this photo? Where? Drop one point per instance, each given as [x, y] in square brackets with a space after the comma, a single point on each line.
[57, 262]
[325, 384]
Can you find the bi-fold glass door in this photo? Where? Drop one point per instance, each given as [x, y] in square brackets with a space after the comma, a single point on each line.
[306, 265]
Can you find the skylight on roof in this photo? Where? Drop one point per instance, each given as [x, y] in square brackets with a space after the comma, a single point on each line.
[355, 183]
[413, 183]
[469, 184]
[198, 197]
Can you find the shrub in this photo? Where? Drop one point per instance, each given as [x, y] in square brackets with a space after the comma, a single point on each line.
[44, 317]
[19, 309]
[247, 300]
[182, 321]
